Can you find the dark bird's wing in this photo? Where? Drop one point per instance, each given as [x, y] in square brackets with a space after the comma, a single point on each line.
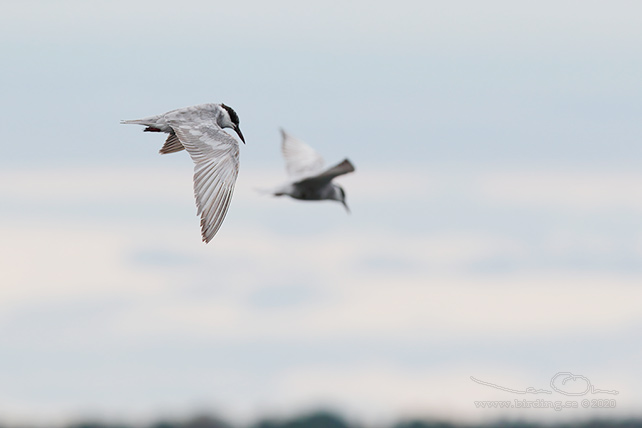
[328, 175]
[172, 145]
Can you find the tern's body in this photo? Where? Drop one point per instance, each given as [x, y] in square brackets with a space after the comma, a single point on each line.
[199, 130]
[309, 181]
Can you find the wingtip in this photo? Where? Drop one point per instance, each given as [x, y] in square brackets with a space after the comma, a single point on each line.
[350, 164]
[206, 239]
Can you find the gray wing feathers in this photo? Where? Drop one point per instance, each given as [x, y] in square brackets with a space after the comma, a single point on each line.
[213, 196]
[301, 160]
[216, 157]
[172, 145]
[344, 167]
[328, 175]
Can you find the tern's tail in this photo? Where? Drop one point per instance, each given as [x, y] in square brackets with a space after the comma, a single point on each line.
[133, 122]
[157, 121]
[153, 123]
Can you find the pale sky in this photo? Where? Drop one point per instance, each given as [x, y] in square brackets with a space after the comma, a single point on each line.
[495, 228]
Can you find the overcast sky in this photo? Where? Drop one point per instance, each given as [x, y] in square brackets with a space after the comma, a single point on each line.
[495, 228]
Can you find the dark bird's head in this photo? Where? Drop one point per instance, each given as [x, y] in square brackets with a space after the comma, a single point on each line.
[231, 120]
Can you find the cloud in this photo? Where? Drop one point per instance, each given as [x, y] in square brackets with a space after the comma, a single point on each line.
[582, 190]
[564, 189]
[138, 293]
[95, 184]
[213, 296]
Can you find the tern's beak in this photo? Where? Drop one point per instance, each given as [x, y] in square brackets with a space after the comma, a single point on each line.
[238, 131]
[346, 205]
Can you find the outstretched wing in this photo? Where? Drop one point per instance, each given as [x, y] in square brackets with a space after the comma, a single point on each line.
[216, 165]
[301, 160]
[328, 175]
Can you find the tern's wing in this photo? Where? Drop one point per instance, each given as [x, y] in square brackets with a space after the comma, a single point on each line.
[328, 175]
[216, 157]
[301, 160]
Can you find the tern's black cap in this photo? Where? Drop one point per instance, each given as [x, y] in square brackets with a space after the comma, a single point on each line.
[233, 115]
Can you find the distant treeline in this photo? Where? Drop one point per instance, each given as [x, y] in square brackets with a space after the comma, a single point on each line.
[330, 420]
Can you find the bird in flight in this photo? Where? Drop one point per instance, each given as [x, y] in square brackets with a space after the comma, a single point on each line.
[308, 180]
[199, 130]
